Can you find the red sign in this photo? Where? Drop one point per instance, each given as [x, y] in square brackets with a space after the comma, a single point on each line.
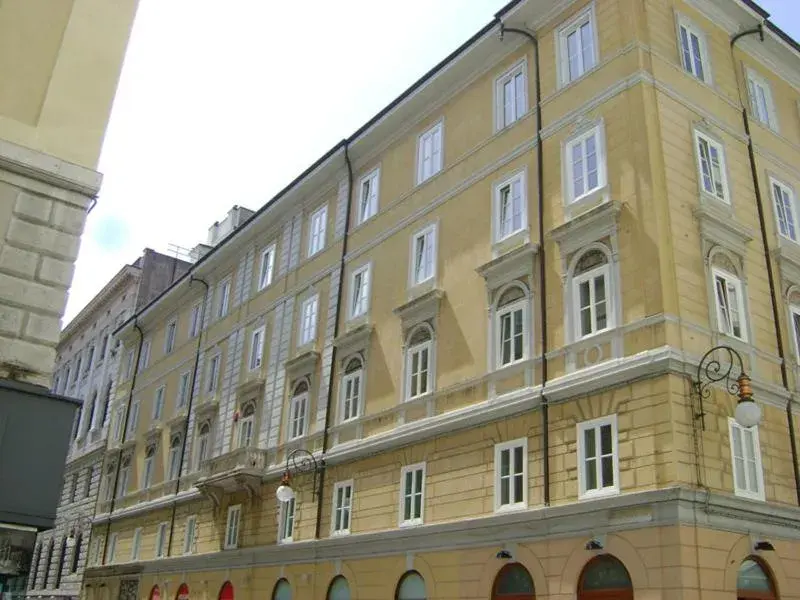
[226, 591]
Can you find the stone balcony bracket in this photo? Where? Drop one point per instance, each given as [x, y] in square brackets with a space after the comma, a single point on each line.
[239, 469]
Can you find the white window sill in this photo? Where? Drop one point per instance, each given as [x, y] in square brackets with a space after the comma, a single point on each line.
[517, 506]
[508, 243]
[340, 533]
[714, 200]
[411, 523]
[749, 496]
[600, 493]
[588, 201]
[419, 397]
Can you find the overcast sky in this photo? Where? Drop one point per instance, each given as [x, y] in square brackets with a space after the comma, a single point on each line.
[224, 103]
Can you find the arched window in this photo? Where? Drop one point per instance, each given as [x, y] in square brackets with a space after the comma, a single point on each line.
[246, 424]
[754, 581]
[298, 411]
[513, 582]
[339, 589]
[419, 362]
[175, 451]
[149, 466]
[282, 591]
[411, 587]
[37, 555]
[203, 439]
[591, 294]
[728, 296]
[605, 577]
[76, 553]
[47, 564]
[182, 593]
[351, 389]
[226, 591]
[511, 326]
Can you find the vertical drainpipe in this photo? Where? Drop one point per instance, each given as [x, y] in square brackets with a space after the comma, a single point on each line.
[339, 293]
[542, 263]
[192, 279]
[767, 259]
[124, 433]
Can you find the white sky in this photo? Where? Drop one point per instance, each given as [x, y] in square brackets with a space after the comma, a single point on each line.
[224, 103]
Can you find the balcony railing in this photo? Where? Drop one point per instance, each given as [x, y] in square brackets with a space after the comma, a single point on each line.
[241, 459]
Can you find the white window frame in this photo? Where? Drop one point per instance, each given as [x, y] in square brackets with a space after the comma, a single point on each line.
[212, 376]
[368, 205]
[201, 447]
[518, 74]
[249, 421]
[348, 380]
[144, 359]
[133, 417]
[723, 168]
[736, 282]
[158, 402]
[298, 421]
[136, 544]
[684, 24]
[309, 314]
[514, 503]
[404, 498]
[430, 233]
[597, 424]
[170, 335]
[358, 306]
[267, 267]
[224, 298]
[148, 468]
[317, 230]
[184, 384]
[195, 320]
[417, 349]
[436, 158]
[190, 534]
[112, 548]
[161, 540]
[256, 348]
[604, 271]
[573, 25]
[770, 118]
[232, 527]
[337, 524]
[742, 488]
[787, 193]
[571, 196]
[174, 460]
[286, 520]
[794, 320]
[520, 178]
[523, 305]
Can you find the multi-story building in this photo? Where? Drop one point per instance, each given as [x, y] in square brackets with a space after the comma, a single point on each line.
[87, 363]
[458, 356]
[55, 100]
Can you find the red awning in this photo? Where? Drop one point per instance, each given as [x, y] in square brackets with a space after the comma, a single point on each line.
[183, 592]
[226, 591]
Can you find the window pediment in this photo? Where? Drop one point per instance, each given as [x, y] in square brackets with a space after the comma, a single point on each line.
[207, 409]
[153, 433]
[590, 226]
[718, 227]
[788, 256]
[253, 384]
[176, 423]
[354, 340]
[422, 308]
[512, 265]
[303, 364]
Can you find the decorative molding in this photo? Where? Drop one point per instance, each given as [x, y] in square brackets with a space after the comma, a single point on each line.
[303, 364]
[422, 308]
[719, 227]
[253, 384]
[591, 226]
[355, 340]
[511, 265]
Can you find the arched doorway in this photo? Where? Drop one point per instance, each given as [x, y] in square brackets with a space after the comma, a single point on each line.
[155, 593]
[754, 581]
[183, 592]
[605, 578]
[339, 589]
[513, 582]
[411, 587]
[282, 591]
[226, 591]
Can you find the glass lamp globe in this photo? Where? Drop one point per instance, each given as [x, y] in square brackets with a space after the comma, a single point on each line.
[284, 493]
[748, 413]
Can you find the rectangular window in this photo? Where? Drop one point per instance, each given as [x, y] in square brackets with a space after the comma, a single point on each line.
[195, 321]
[129, 357]
[183, 389]
[577, 50]
[694, 54]
[584, 162]
[122, 481]
[359, 292]
[298, 416]
[89, 359]
[368, 195]
[213, 374]
[144, 359]
[748, 477]
[223, 298]
[232, 527]
[103, 348]
[256, 348]
[267, 267]
[308, 321]
[511, 475]
[136, 545]
[730, 305]
[590, 294]
[510, 207]
[598, 463]
[429, 153]
[316, 230]
[342, 507]
[147, 472]
[783, 197]
[412, 494]
[158, 403]
[112, 548]
[511, 96]
[423, 255]
[286, 526]
[761, 105]
[161, 540]
[351, 394]
[418, 370]
[245, 425]
[711, 167]
[202, 444]
[794, 312]
[169, 337]
[133, 417]
[511, 333]
[174, 459]
[189, 534]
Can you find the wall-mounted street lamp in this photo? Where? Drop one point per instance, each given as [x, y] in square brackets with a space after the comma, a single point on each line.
[299, 461]
[711, 371]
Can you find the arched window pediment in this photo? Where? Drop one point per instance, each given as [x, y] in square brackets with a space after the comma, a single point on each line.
[300, 388]
[420, 334]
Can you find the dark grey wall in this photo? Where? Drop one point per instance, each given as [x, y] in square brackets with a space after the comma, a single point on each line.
[159, 271]
[35, 428]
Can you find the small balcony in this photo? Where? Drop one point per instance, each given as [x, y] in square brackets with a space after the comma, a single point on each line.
[239, 469]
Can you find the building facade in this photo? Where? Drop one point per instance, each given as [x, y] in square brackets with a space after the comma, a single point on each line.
[87, 363]
[457, 358]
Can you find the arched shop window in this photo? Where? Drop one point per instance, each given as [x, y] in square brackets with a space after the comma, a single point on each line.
[754, 582]
[604, 577]
[513, 582]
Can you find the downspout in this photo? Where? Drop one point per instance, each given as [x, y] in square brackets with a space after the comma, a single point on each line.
[339, 294]
[124, 433]
[542, 262]
[759, 29]
[192, 279]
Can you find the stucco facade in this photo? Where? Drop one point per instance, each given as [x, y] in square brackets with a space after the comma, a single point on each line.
[485, 330]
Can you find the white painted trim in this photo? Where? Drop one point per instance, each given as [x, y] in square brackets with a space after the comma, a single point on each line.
[682, 21]
[562, 65]
[190, 543]
[753, 78]
[366, 274]
[723, 167]
[308, 335]
[524, 305]
[283, 514]
[320, 215]
[161, 540]
[597, 424]
[510, 446]
[431, 229]
[267, 253]
[374, 206]
[438, 167]
[739, 487]
[596, 130]
[255, 358]
[788, 190]
[520, 176]
[402, 522]
[341, 485]
[228, 543]
[520, 67]
[736, 282]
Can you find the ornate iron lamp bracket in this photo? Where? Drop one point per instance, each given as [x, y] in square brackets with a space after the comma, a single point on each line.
[711, 371]
[303, 461]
